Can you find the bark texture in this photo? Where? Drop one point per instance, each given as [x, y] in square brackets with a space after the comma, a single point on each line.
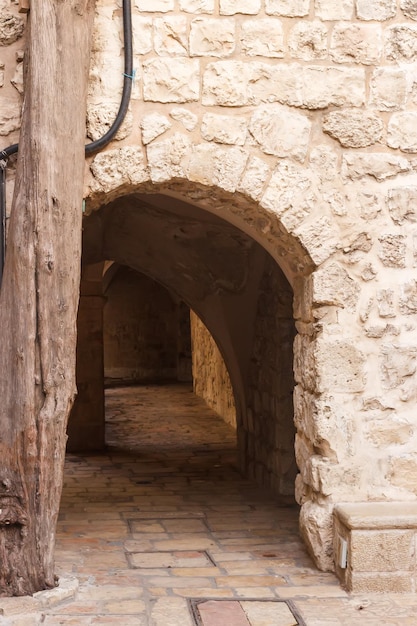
[39, 293]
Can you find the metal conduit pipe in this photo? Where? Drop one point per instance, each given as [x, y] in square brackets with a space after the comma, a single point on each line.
[90, 148]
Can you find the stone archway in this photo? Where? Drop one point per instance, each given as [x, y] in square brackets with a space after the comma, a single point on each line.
[265, 206]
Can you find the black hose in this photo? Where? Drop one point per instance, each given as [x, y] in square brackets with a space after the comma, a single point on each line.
[128, 78]
[2, 217]
[92, 147]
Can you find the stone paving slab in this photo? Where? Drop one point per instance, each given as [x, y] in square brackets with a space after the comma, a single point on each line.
[153, 524]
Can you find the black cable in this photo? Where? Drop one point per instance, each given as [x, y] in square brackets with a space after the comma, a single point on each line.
[94, 146]
[2, 217]
[128, 78]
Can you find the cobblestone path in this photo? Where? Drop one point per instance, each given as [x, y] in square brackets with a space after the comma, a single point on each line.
[163, 531]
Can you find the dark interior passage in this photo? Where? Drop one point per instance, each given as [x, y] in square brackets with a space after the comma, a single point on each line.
[169, 252]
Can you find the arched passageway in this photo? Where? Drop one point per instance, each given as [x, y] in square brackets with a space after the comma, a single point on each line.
[241, 295]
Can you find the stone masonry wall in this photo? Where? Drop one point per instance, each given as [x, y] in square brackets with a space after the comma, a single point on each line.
[296, 121]
[268, 428]
[210, 376]
[140, 330]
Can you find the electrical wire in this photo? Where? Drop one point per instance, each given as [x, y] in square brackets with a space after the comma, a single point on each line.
[90, 148]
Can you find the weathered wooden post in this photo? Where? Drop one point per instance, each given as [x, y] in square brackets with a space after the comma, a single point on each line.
[39, 293]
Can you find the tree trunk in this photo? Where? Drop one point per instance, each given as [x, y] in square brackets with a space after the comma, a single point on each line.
[39, 293]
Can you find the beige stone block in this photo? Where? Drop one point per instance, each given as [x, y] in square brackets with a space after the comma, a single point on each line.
[319, 237]
[187, 118]
[401, 42]
[268, 83]
[9, 116]
[171, 80]
[217, 165]
[403, 472]
[381, 551]
[325, 86]
[392, 250]
[287, 8]
[197, 6]
[339, 366]
[288, 189]
[378, 10]
[281, 132]
[263, 37]
[353, 128]
[254, 178]
[388, 88]
[100, 118]
[170, 36]
[116, 167]
[308, 41]
[377, 165]
[247, 7]
[153, 125]
[142, 30]
[212, 37]
[333, 285]
[356, 43]
[11, 27]
[316, 526]
[388, 431]
[408, 298]
[402, 204]
[409, 8]
[154, 6]
[334, 9]
[402, 131]
[224, 129]
[225, 84]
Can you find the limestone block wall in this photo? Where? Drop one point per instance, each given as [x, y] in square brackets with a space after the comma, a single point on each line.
[268, 426]
[211, 379]
[140, 330]
[295, 121]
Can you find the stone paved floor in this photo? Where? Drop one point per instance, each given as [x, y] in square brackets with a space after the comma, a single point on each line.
[163, 531]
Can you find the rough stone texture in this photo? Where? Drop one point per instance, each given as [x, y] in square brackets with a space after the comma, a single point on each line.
[356, 43]
[170, 36]
[100, 118]
[224, 129]
[308, 41]
[287, 8]
[402, 204]
[187, 118]
[402, 131]
[165, 80]
[401, 42]
[211, 37]
[280, 132]
[334, 9]
[153, 125]
[263, 38]
[247, 7]
[314, 156]
[409, 8]
[388, 89]
[9, 117]
[379, 10]
[211, 379]
[352, 128]
[11, 27]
